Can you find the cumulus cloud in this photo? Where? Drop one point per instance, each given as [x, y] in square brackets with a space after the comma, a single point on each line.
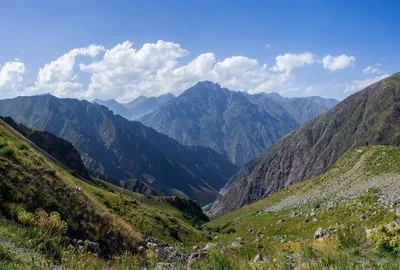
[125, 71]
[289, 61]
[338, 62]
[123, 67]
[372, 69]
[58, 77]
[361, 84]
[11, 75]
[61, 69]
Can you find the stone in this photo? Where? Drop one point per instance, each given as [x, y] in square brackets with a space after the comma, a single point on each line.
[239, 239]
[209, 246]
[164, 266]
[196, 248]
[319, 233]
[168, 254]
[195, 256]
[235, 245]
[280, 221]
[258, 238]
[259, 258]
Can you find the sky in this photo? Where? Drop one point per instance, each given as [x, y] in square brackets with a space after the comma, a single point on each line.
[122, 49]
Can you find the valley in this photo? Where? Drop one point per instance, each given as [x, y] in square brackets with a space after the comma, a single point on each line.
[199, 135]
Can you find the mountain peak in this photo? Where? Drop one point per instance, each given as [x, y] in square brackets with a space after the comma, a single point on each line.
[208, 84]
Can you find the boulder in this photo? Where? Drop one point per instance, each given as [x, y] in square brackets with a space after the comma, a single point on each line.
[259, 258]
[168, 254]
[319, 233]
[195, 256]
[209, 246]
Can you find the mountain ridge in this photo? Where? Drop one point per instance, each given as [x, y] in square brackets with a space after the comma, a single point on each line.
[235, 124]
[368, 117]
[106, 142]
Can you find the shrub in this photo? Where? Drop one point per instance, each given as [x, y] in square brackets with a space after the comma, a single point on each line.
[52, 223]
[26, 218]
[6, 254]
[386, 238]
[370, 197]
[351, 236]
[7, 151]
[307, 252]
[3, 144]
[14, 209]
[21, 145]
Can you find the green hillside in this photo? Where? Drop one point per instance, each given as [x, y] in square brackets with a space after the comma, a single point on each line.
[360, 191]
[42, 205]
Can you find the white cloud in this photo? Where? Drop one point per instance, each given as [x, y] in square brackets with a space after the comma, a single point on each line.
[361, 84]
[61, 69]
[338, 62]
[288, 61]
[123, 72]
[11, 75]
[58, 78]
[123, 67]
[372, 69]
[267, 46]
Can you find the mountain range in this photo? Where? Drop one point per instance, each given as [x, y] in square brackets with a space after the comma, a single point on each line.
[326, 192]
[235, 124]
[136, 108]
[116, 149]
[368, 117]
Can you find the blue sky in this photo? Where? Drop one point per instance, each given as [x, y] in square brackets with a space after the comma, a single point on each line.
[93, 49]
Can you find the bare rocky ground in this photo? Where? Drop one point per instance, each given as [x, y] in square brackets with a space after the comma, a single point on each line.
[347, 186]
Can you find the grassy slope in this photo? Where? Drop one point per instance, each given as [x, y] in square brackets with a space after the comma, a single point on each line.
[118, 222]
[158, 202]
[354, 184]
[371, 166]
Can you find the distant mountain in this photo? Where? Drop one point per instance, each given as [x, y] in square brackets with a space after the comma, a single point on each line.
[117, 149]
[114, 106]
[369, 117]
[136, 108]
[56, 147]
[235, 124]
[302, 109]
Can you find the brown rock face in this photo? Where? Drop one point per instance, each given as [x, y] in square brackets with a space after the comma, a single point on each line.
[369, 117]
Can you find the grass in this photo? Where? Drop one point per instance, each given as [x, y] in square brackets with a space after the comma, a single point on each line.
[7, 151]
[349, 247]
